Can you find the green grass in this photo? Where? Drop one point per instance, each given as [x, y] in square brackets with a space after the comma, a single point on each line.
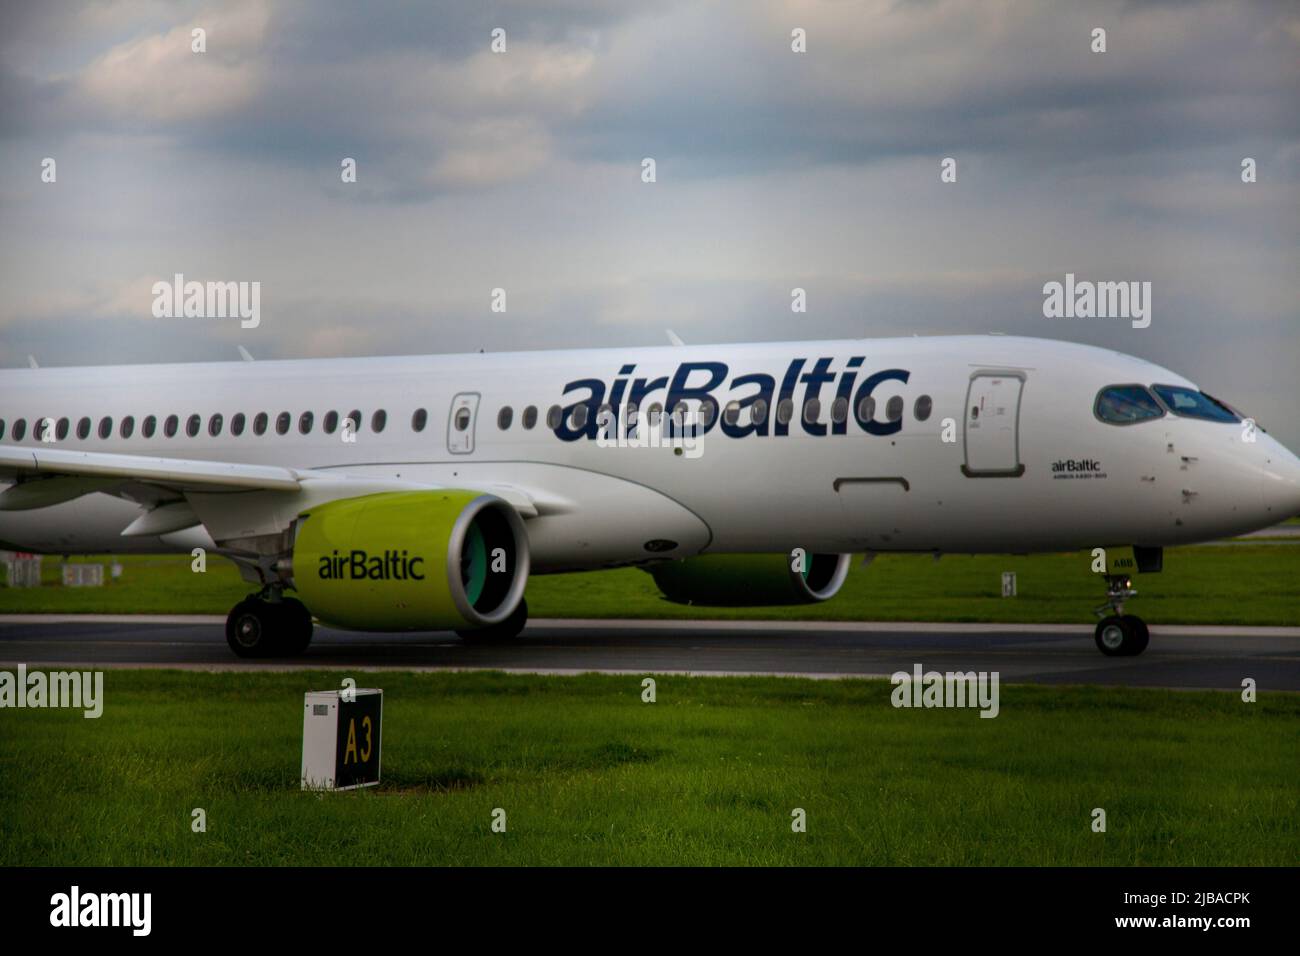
[708, 775]
[1238, 584]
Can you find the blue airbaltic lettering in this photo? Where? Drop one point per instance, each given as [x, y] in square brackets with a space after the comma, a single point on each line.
[697, 382]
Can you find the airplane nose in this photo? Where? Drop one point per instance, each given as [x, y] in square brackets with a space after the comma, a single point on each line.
[1281, 482]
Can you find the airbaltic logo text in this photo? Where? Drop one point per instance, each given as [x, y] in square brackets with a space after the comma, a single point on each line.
[757, 403]
[208, 300]
[361, 566]
[103, 909]
[1101, 300]
[1077, 468]
[1076, 464]
[83, 690]
[953, 689]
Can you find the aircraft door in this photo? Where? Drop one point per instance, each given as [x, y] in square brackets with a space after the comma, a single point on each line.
[460, 423]
[992, 434]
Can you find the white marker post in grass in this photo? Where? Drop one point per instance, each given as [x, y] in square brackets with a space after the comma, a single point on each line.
[341, 738]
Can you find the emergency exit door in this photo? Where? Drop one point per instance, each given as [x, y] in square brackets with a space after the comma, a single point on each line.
[460, 423]
[993, 425]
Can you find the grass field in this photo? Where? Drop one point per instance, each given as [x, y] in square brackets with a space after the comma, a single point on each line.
[709, 774]
[1237, 584]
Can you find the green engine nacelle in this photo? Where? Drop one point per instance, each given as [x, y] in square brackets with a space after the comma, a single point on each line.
[751, 580]
[411, 561]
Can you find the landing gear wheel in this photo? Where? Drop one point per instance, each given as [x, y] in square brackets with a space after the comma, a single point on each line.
[250, 628]
[502, 633]
[1124, 636]
[259, 628]
[1141, 634]
[296, 627]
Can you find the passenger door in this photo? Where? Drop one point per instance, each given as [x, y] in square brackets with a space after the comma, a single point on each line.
[992, 435]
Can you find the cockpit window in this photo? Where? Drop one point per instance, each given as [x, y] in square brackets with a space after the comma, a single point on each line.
[1193, 404]
[1126, 404]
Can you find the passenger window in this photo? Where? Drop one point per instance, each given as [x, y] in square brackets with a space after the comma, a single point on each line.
[1126, 404]
[731, 414]
[866, 409]
[894, 408]
[2, 428]
[127, 428]
[462, 419]
[378, 420]
[259, 423]
[214, 425]
[20, 429]
[150, 426]
[840, 410]
[579, 416]
[530, 416]
[331, 422]
[105, 427]
[305, 421]
[282, 423]
[924, 405]
[83, 429]
[758, 412]
[504, 417]
[811, 410]
[170, 426]
[419, 420]
[237, 424]
[553, 416]
[193, 424]
[355, 417]
[61, 429]
[784, 411]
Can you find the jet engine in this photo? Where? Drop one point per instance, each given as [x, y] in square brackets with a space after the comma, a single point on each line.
[411, 560]
[752, 580]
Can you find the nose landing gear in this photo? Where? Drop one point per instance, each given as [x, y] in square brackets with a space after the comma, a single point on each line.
[1119, 634]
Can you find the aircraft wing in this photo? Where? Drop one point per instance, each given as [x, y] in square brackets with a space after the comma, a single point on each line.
[230, 499]
[46, 476]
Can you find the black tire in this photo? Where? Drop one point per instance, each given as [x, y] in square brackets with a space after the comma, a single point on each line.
[250, 628]
[256, 628]
[503, 633]
[296, 627]
[1141, 634]
[1116, 636]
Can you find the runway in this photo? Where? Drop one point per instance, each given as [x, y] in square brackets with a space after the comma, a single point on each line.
[1182, 657]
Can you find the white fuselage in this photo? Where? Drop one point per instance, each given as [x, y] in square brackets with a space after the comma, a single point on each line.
[1010, 457]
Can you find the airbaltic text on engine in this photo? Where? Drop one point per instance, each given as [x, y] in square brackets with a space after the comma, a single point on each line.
[358, 565]
[633, 391]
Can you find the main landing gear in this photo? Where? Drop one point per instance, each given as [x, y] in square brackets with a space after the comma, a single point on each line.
[1119, 634]
[268, 625]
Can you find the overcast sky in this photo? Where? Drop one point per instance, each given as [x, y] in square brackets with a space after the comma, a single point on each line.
[775, 170]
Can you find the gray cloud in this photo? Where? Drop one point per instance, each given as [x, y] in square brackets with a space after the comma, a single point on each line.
[775, 170]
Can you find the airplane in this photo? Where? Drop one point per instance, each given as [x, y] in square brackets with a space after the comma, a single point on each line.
[420, 492]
